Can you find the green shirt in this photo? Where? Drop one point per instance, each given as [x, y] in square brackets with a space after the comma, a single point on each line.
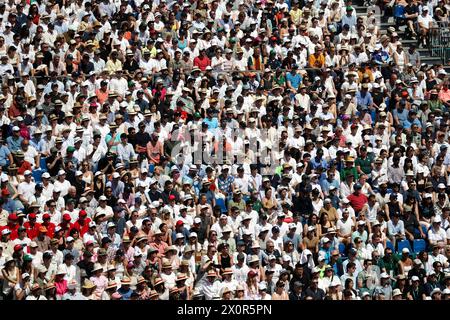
[345, 171]
[365, 164]
[280, 81]
[240, 205]
[257, 206]
[389, 265]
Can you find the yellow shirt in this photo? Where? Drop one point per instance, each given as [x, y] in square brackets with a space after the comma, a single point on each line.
[113, 67]
[296, 15]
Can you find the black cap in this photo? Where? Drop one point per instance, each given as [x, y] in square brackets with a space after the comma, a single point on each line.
[87, 253]
[106, 240]
[47, 255]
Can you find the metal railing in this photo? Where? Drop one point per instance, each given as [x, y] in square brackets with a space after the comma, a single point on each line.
[439, 44]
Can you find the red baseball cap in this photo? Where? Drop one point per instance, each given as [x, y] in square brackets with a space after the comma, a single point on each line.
[251, 274]
[171, 197]
[12, 216]
[45, 216]
[66, 217]
[179, 223]
[32, 216]
[82, 213]
[18, 247]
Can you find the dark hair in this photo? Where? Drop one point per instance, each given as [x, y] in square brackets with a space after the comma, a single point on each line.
[350, 265]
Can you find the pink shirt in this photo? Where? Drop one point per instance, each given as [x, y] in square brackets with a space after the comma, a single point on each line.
[101, 283]
[61, 287]
[444, 95]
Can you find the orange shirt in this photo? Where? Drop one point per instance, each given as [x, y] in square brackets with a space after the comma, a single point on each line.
[127, 35]
[102, 96]
[316, 62]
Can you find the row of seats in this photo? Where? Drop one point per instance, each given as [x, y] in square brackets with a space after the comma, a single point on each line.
[418, 246]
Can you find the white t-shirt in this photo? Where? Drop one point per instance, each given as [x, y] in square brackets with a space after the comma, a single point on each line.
[426, 21]
[345, 227]
[63, 186]
[30, 156]
[26, 189]
[435, 236]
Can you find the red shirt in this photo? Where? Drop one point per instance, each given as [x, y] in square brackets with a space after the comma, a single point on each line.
[202, 63]
[24, 167]
[357, 201]
[13, 228]
[50, 229]
[32, 230]
[82, 226]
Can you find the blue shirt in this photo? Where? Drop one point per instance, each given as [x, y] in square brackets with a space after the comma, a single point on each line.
[401, 116]
[318, 163]
[14, 143]
[381, 57]
[9, 205]
[116, 140]
[294, 79]
[4, 153]
[326, 253]
[212, 123]
[325, 184]
[408, 123]
[363, 99]
[125, 294]
[39, 145]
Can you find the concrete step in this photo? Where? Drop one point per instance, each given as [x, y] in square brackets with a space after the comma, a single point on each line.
[385, 25]
[424, 52]
[408, 42]
[361, 9]
[431, 60]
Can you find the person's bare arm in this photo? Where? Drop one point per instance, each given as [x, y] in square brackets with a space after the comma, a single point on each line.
[10, 158]
[37, 160]
[6, 277]
[386, 210]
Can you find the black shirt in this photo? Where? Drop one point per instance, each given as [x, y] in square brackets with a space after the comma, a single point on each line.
[102, 163]
[53, 171]
[410, 223]
[317, 294]
[154, 195]
[142, 138]
[131, 65]
[87, 266]
[411, 9]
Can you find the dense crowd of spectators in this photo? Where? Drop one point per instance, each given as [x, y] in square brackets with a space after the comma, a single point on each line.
[250, 149]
